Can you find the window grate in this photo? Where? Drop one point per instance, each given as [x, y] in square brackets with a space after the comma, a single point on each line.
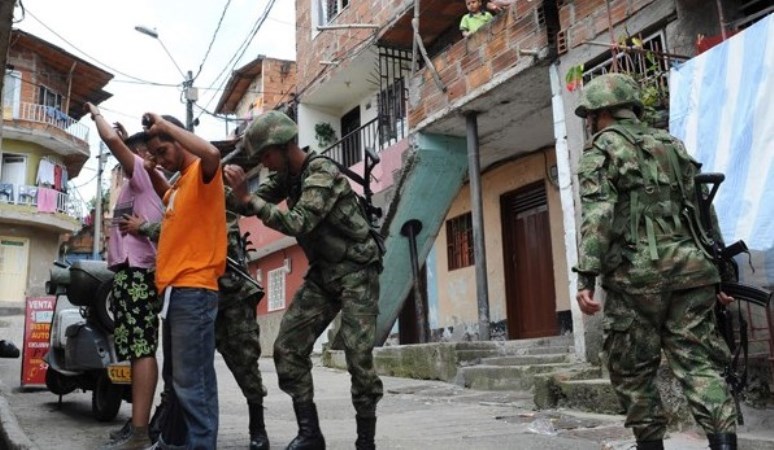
[459, 241]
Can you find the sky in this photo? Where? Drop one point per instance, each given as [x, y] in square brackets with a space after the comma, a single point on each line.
[145, 77]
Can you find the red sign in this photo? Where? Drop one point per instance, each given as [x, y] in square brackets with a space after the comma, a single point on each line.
[37, 325]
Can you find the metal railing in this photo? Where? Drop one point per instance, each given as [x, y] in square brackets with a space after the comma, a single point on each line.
[52, 116]
[26, 195]
[373, 135]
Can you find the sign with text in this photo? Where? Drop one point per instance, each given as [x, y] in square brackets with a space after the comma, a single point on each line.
[37, 326]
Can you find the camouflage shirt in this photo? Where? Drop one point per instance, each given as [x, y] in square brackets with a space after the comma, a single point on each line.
[634, 185]
[323, 214]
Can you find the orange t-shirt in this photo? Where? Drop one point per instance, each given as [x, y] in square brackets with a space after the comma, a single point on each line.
[192, 246]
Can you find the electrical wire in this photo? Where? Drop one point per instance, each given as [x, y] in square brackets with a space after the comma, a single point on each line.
[214, 35]
[241, 50]
[76, 48]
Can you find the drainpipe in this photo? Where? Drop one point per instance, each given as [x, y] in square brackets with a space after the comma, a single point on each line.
[477, 211]
[566, 197]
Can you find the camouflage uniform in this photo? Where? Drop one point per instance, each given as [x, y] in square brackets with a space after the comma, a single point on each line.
[237, 336]
[325, 216]
[635, 184]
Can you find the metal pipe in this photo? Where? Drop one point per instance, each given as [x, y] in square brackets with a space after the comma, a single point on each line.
[722, 20]
[411, 229]
[348, 26]
[477, 212]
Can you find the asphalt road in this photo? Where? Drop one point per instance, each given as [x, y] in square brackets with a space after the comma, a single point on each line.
[414, 414]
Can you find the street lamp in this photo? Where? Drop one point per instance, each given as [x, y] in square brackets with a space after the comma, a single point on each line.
[191, 93]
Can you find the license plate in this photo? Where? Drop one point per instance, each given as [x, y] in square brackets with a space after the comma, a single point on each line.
[120, 373]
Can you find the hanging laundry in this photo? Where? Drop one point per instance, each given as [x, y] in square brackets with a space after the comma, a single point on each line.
[57, 177]
[47, 200]
[45, 173]
[65, 179]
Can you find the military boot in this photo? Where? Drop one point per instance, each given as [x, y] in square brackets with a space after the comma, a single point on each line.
[722, 441]
[366, 430]
[309, 435]
[650, 445]
[258, 438]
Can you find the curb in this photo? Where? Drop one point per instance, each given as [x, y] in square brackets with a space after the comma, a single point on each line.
[12, 437]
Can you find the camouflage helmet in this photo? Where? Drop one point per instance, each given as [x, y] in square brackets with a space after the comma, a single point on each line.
[271, 128]
[609, 91]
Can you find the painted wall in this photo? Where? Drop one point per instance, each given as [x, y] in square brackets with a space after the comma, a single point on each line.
[34, 153]
[270, 321]
[43, 251]
[308, 117]
[456, 290]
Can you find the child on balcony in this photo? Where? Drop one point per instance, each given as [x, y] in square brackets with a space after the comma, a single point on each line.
[476, 16]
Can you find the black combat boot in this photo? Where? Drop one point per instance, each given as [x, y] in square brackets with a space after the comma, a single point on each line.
[366, 430]
[258, 438]
[650, 445]
[722, 441]
[309, 435]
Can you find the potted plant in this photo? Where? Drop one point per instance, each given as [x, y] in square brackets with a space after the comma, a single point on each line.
[325, 134]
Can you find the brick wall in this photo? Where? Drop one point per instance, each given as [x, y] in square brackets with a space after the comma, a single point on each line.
[279, 81]
[336, 44]
[583, 20]
[472, 62]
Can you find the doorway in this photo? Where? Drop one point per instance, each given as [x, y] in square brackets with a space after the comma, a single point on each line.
[529, 272]
[350, 122]
[14, 259]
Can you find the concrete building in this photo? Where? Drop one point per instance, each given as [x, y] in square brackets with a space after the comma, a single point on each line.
[43, 147]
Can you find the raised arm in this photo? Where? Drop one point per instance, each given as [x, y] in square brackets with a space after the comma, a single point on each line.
[112, 139]
[203, 149]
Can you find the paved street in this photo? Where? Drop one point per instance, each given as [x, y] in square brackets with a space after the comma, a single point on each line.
[414, 414]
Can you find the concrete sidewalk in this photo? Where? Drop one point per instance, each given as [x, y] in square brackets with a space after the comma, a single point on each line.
[414, 414]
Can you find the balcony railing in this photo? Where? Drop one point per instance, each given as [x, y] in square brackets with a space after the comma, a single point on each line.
[350, 149]
[51, 116]
[25, 195]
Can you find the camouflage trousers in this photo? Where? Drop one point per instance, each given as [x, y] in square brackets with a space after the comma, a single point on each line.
[237, 339]
[682, 324]
[314, 307]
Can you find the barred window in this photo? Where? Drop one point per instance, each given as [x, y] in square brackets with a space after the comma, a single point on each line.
[276, 289]
[459, 241]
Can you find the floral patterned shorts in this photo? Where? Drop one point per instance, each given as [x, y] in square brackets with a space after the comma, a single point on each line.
[135, 306]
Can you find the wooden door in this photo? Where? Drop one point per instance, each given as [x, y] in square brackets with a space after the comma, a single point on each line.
[14, 259]
[529, 273]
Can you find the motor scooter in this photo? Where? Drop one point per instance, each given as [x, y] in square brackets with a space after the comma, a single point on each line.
[81, 352]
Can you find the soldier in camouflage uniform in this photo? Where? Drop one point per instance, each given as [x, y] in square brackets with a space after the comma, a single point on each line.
[237, 335]
[326, 218]
[636, 183]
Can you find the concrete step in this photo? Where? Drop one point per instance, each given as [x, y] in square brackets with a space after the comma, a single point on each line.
[592, 395]
[524, 360]
[503, 378]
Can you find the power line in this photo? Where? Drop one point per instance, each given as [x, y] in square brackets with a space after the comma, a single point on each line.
[214, 35]
[242, 49]
[98, 62]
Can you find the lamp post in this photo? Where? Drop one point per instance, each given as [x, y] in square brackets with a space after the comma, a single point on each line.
[191, 93]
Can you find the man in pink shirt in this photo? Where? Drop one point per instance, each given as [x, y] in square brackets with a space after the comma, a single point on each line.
[135, 301]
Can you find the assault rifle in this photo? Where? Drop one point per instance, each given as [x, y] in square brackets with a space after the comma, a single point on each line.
[705, 231]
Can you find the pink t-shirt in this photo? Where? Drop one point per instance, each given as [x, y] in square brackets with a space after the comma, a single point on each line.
[137, 197]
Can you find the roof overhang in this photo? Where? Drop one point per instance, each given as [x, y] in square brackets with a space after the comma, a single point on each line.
[436, 17]
[88, 80]
[237, 86]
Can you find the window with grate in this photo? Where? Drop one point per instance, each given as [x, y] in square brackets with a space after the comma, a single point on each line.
[324, 11]
[459, 241]
[276, 289]
[47, 97]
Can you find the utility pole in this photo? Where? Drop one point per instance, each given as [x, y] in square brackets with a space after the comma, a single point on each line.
[191, 95]
[6, 24]
[97, 247]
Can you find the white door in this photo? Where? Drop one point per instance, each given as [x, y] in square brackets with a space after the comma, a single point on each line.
[13, 171]
[11, 95]
[14, 259]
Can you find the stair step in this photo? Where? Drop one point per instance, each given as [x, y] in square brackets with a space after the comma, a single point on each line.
[499, 378]
[593, 395]
[523, 360]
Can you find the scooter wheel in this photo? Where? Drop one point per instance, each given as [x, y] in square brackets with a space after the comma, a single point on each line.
[106, 398]
[59, 384]
[102, 306]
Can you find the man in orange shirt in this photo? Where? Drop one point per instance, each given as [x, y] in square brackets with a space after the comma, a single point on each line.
[191, 256]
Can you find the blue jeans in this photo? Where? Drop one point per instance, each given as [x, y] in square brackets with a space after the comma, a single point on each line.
[191, 320]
